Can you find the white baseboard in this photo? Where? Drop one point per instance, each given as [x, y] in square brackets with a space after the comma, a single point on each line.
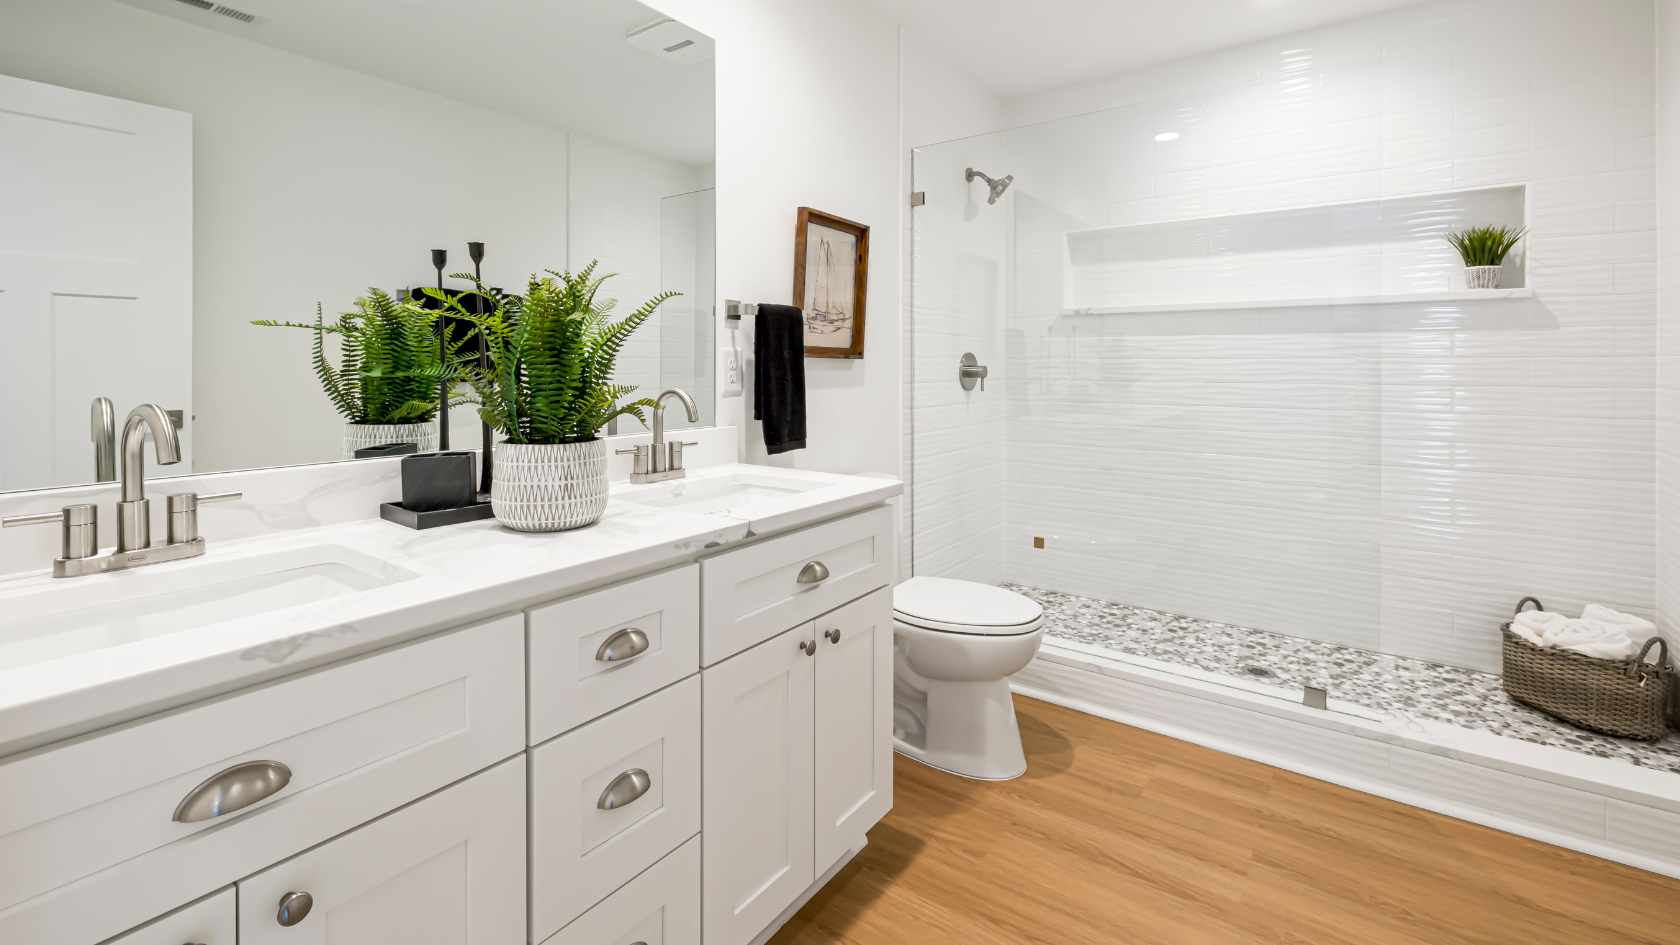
[1604, 808]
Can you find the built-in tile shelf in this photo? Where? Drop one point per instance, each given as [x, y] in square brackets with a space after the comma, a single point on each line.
[1380, 251]
[1451, 295]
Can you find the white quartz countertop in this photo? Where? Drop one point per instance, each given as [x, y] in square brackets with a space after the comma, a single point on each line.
[440, 578]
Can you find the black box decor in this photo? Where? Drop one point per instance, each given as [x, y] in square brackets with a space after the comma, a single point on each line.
[438, 489]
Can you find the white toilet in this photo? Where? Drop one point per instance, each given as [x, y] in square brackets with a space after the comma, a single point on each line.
[953, 644]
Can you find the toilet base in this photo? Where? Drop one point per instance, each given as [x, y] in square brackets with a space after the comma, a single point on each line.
[968, 728]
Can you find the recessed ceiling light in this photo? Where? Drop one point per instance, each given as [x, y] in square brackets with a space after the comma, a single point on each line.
[1166, 136]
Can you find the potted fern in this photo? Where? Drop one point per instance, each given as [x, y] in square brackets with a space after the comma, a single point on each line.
[548, 391]
[385, 384]
[1483, 250]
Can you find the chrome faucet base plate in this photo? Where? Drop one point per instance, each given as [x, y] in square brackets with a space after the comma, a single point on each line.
[122, 561]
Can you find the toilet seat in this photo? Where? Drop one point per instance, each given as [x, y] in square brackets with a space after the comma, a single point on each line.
[951, 606]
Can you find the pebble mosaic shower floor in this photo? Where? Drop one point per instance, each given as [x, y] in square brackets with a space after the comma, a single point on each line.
[1462, 697]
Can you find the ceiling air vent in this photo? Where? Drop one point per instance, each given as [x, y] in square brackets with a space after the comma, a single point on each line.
[210, 6]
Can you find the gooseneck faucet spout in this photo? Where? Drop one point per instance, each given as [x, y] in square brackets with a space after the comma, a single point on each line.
[134, 517]
[659, 414]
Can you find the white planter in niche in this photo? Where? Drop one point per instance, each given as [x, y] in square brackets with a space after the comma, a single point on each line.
[359, 436]
[549, 487]
[1481, 277]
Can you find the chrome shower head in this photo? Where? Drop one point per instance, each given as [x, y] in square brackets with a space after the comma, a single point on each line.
[997, 186]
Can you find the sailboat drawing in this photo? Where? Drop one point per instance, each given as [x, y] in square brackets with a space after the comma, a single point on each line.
[828, 307]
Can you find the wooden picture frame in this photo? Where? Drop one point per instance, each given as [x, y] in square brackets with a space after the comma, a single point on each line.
[830, 283]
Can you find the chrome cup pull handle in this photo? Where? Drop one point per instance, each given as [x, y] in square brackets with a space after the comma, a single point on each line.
[625, 789]
[626, 644]
[294, 908]
[814, 573]
[234, 789]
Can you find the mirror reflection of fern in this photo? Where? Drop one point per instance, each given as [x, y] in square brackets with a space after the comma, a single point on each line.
[389, 366]
[552, 354]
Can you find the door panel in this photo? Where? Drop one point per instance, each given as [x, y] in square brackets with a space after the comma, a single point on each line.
[95, 234]
[853, 723]
[448, 870]
[756, 779]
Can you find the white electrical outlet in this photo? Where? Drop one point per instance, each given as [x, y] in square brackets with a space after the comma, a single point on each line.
[729, 371]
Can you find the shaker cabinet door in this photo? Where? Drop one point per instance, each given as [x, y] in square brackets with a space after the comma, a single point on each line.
[209, 921]
[447, 870]
[854, 764]
[756, 777]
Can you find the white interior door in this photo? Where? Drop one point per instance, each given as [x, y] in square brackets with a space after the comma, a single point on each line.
[756, 779]
[95, 273]
[854, 765]
[449, 870]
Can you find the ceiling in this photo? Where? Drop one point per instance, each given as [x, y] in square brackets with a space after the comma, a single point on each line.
[561, 63]
[1013, 47]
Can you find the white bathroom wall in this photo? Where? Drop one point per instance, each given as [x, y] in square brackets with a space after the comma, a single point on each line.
[1668, 320]
[263, 118]
[952, 446]
[1465, 454]
[808, 104]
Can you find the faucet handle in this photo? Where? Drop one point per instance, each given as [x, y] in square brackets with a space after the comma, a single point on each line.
[183, 513]
[640, 465]
[80, 537]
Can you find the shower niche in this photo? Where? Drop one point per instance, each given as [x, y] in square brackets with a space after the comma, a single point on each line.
[1359, 252]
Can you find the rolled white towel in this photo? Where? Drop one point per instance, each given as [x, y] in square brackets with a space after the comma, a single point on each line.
[1637, 627]
[1534, 625]
[1600, 631]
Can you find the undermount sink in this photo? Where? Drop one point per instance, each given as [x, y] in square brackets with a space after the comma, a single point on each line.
[738, 493]
[50, 619]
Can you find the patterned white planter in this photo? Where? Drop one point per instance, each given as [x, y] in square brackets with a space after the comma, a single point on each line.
[549, 487]
[1481, 277]
[359, 436]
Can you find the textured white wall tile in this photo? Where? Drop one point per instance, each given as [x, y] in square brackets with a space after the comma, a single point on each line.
[1391, 477]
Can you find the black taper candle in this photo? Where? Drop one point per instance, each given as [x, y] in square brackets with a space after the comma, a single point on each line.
[440, 258]
[487, 435]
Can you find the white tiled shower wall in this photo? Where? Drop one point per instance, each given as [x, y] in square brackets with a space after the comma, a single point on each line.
[1668, 327]
[1392, 478]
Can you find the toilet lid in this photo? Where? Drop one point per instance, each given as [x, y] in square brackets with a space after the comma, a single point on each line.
[964, 606]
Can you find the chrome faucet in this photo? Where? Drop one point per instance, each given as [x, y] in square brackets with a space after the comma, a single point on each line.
[80, 545]
[659, 460]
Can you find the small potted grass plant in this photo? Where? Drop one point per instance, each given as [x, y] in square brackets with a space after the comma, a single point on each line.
[548, 391]
[1483, 250]
[385, 384]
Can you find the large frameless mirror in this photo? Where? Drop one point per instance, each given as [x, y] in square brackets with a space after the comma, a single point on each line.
[172, 171]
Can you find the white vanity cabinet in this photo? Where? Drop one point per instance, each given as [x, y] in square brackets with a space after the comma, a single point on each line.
[575, 774]
[213, 920]
[798, 762]
[446, 870]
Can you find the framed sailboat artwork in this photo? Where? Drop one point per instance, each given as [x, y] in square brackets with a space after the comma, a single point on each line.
[830, 278]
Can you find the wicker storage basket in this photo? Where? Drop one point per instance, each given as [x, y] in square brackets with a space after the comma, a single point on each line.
[1626, 698]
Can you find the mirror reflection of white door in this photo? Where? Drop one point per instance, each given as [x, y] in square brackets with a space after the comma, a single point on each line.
[95, 273]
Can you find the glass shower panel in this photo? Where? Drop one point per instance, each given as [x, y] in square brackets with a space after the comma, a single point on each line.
[687, 264]
[1178, 302]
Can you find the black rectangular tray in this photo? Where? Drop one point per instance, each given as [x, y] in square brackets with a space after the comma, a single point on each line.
[394, 512]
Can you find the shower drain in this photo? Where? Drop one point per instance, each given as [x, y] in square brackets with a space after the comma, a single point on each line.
[1259, 671]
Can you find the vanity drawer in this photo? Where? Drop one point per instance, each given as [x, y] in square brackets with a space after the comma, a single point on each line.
[213, 920]
[750, 595]
[359, 738]
[572, 682]
[659, 907]
[580, 852]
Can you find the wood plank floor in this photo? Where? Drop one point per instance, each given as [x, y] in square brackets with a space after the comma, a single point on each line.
[1120, 835]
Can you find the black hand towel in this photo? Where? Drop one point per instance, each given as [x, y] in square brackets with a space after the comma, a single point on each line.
[779, 376]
